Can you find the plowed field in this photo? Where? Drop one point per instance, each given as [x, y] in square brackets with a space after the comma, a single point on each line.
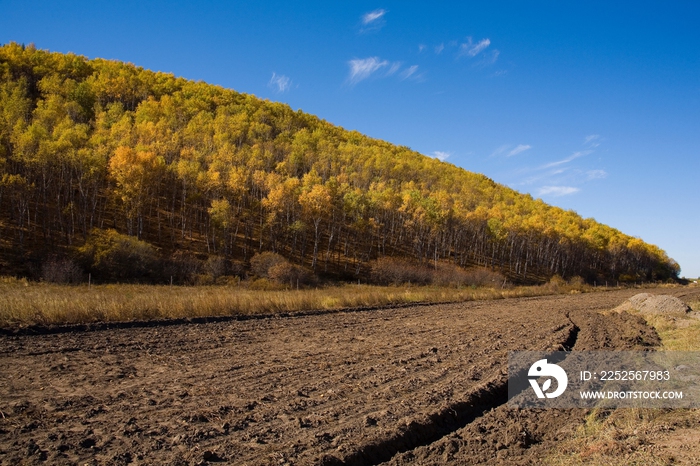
[411, 385]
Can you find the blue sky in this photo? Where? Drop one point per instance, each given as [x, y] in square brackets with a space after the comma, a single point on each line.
[593, 106]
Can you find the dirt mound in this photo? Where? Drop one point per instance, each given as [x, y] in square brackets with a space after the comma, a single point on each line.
[619, 331]
[648, 303]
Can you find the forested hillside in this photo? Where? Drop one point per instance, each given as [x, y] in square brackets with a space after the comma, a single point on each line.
[93, 151]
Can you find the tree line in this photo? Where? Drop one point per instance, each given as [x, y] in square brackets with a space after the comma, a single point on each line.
[94, 145]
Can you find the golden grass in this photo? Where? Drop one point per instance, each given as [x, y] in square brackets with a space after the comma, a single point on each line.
[677, 334]
[622, 436]
[24, 303]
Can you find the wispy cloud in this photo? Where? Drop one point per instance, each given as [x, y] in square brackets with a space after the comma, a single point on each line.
[573, 156]
[373, 21]
[439, 49]
[500, 150]
[560, 177]
[394, 68]
[592, 140]
[489, 58]
[519, 149]
[408, 72]
[472, 49]
[596, 174]
[509, 151]
[279, 82]
[373, 16]
[440, 155]
[557, 191]
[421, 48]
[361, 69]
[549, 175]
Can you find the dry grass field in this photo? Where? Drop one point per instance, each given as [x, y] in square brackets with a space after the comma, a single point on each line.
[24, 303]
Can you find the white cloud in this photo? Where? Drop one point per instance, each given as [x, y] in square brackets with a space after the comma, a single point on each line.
[508, 150]
[439, 48]
[519, 149]
[373, 16]
[279, 81]
[549, 175]
[557, 178]
[440, 155]
[489, 58]
[394, 68]
[363, 68]
[471, 49]
[557, 191]
[373, 21]
[573, 156]
[596, 174]
[501, 150]
[408, 72]
[592, 140]
[421, 48]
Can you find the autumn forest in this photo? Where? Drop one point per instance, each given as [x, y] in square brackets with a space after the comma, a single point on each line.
[185, 174]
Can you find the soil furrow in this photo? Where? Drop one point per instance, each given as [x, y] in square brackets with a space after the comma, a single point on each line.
[506, 435]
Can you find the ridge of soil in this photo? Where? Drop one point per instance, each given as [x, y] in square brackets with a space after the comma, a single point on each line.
[407, 385]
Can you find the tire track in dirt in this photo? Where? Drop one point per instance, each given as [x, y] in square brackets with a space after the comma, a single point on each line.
[449, 419]
[511, 436]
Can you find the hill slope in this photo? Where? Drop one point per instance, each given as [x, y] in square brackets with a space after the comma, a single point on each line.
[198, 171]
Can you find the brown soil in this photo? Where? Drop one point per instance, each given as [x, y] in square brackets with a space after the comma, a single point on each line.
[414, 385]
[647, 303]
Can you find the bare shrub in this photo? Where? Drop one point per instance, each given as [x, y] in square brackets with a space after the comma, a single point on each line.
[216, 266]
[455, 276]
[450, 275]
[555, 283]
[64, 270]
[183, 267]
[236, 269]
[203, 279]
[394, 271]
[261, 263]
[228, 280]
[577, 284]
[577, 281]
[484, 277]
[290, 274]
